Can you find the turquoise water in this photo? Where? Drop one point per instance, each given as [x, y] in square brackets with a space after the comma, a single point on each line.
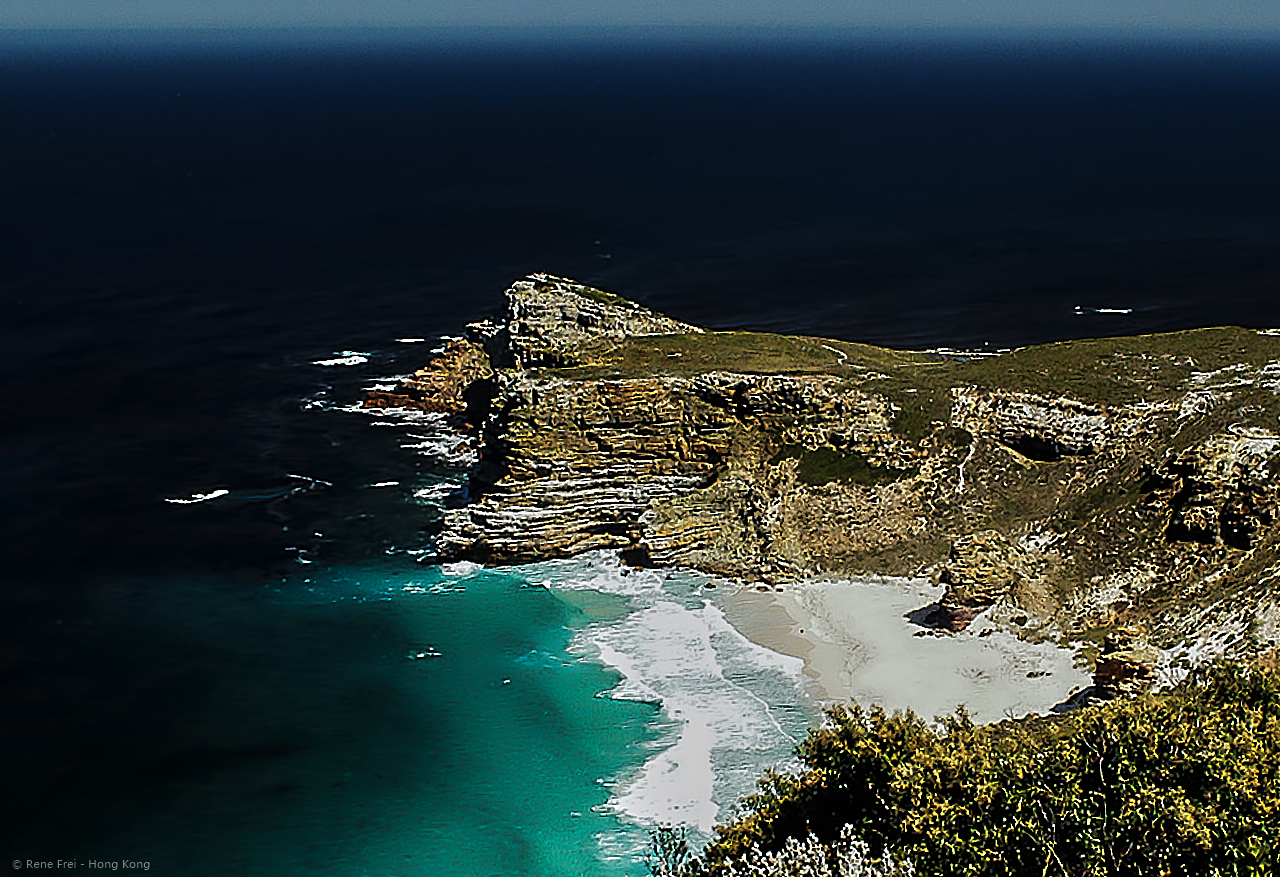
[382, 720]
[363, 712]
[398, 718]
[175, 267]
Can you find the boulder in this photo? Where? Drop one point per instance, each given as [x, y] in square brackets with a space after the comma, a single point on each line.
[982, 568]
[1126, 667]
[451, 383]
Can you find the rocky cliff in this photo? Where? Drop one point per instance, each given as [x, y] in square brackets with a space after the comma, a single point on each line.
[1071, 489]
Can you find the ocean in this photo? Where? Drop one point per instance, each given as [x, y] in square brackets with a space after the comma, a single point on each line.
[227, 646]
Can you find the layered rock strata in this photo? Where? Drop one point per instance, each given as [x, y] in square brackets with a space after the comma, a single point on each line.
[453, 383]
[1069, 489]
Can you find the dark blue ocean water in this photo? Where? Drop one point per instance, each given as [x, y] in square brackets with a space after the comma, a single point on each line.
[190, 223]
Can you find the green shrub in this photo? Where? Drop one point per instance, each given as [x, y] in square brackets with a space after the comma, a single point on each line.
[827, 465]
[1182, 783]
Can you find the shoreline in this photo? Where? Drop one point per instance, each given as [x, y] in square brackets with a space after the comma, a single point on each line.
[858, 645]
[739, 674]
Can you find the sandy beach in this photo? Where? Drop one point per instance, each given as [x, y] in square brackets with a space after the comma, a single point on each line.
[857, 643]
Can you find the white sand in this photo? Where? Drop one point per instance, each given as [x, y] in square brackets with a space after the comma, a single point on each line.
[857, 644]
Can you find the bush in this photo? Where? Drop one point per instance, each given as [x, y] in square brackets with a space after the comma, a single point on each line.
[847, 857]
[1182, 783]
[827, 465]
[668, 854]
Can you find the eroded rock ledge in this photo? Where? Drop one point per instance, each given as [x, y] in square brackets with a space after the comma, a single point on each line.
[1071, 489]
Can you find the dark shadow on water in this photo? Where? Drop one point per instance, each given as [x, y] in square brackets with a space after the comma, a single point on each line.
[181, 698]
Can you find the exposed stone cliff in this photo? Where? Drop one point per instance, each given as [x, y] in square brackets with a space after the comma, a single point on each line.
[1071, 489]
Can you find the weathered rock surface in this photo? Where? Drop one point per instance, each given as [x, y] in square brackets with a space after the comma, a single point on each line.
[1221, 492]
[983, 569]
[451, 383]
[1075, 488]
[569, 466]
[1038, 428]
[1126, 666]
[549, 318]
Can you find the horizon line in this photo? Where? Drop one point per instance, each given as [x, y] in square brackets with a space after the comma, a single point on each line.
[752, 30]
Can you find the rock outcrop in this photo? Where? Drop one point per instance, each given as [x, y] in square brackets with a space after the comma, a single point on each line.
[568, 466]
[1074, 488]
[1126, 666]
[549, 319]
[455, 382]
[1221, 492]
[982, 569]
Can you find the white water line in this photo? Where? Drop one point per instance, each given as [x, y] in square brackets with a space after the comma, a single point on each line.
[722, 623]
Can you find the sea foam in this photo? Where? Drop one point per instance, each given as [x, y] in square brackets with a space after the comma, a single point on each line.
[346, 357]
[731, 708]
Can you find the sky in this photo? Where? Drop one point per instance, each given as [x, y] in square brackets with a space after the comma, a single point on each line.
[1184, 15]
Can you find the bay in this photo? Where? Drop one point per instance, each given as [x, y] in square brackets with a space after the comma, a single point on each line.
[277, 679]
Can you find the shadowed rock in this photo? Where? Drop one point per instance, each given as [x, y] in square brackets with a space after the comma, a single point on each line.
[983, 568]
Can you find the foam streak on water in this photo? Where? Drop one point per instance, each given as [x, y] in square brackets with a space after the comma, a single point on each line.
[733, 708]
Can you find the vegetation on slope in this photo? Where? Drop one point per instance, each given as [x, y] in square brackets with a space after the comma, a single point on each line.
[1181, 783]
[827, 465]
[1105, 370]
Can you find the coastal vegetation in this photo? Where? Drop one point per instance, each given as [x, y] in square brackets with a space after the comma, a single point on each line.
[1183, 782]
[828, 465]
[1120, 496]
[1097, 371]
[1081, 486]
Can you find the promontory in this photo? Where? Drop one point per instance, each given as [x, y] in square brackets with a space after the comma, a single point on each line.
[1117, 486]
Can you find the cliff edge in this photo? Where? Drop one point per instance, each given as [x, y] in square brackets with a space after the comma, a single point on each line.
[1071, 489]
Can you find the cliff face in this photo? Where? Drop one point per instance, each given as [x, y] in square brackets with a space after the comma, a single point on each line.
[1072, 488]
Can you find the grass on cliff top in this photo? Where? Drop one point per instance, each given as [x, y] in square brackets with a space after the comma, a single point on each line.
[761, 353]
[552, 284]
[604, 298]
[1098, 371]
[1120, 370]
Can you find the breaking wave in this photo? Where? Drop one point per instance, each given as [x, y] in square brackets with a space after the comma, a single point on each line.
[729, 708]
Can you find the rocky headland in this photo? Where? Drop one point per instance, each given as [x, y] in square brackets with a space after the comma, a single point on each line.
[1116, 493]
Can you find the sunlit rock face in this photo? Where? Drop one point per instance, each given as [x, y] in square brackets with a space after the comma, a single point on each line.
[1067, 489]
[455, 382]
[550, 318]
